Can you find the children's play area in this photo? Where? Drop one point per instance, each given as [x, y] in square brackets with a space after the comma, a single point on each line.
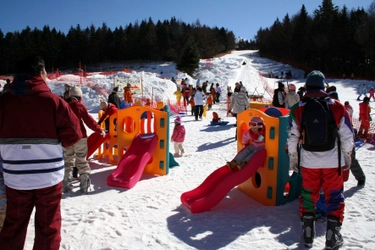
[138, 142]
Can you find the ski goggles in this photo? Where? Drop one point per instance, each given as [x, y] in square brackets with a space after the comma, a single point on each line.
[256, 124]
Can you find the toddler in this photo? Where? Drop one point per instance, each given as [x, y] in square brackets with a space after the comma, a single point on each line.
[178, 137]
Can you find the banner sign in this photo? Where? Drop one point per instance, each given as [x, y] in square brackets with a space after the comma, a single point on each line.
[135, 84]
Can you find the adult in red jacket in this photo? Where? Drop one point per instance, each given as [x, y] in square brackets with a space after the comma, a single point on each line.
[76, 156]
[364, 117]
[34, 125]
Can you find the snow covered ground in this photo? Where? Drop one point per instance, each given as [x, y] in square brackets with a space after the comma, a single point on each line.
[151, 216]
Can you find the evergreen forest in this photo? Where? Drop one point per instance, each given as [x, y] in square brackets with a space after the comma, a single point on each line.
[338, 42]
[147, 41]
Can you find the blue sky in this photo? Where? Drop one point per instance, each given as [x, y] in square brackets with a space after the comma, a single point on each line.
[243, 17]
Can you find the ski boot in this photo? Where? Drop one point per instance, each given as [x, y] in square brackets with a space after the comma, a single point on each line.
[67, 185]
[308, 227]
[85, 183]
[243, 164]
[233, 165]
[333, 236]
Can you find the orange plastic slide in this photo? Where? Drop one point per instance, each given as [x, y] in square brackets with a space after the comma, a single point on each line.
[134, 161]
[219, 183]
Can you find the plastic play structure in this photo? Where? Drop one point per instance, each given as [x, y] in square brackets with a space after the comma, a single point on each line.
[265, 178]
[138, 142]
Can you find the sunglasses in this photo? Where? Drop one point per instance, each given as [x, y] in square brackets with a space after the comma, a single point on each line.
[256, 124]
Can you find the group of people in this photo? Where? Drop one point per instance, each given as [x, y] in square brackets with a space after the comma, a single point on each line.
[49, 150]
[363, 91]
[197, 96]
[286, 99]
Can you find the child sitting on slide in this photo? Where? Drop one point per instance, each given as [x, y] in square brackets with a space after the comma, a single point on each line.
[254, 141]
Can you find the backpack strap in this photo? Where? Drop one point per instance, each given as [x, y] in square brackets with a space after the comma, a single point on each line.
[339, 153]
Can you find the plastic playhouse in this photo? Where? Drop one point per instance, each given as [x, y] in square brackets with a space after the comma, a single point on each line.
[138, 142]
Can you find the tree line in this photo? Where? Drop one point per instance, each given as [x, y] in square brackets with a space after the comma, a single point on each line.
[170, 40]
[337, 42]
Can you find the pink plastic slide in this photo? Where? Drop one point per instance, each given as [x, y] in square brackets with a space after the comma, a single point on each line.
[219, 183]
[133, 162]
[94, 141]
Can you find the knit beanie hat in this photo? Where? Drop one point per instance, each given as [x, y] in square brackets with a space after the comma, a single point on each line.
[75, 91]
[243, 89]
[315, 78]
[178, 119]
[103, 104]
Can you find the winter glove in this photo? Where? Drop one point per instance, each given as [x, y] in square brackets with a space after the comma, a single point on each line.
[293, 162]
[103, 133]
[348, 160]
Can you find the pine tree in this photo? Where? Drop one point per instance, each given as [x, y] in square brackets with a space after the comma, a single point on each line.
[189, 60]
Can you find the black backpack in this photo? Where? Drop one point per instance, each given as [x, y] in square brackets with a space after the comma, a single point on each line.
[318, 127]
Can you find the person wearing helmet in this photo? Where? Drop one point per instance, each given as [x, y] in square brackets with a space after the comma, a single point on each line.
[291, 97]
[253, 139]
[320, 166]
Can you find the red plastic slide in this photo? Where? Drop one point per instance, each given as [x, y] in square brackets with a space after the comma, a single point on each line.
[219, 183]
[94, 141]
[133, 162]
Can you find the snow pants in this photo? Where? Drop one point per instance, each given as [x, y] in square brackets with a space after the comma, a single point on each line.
[178, 148]
[198, 111]
[364, 127]
[75, 156]
[356, 168]
[333, 187]
[246, 154]
[47, 218]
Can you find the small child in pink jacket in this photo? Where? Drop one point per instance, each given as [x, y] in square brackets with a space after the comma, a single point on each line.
[254, 141]
[178, 137]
